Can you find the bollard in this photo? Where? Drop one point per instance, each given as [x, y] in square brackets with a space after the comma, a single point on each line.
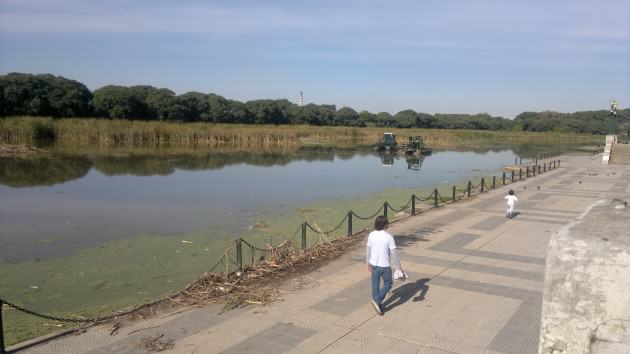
[350, 223]
[454, 195]
[494, 182]
[304, 235]
[413, 204]
[512, 176]
[385, 205]
[520, 174]
[545, 167]
[435, 197]
[538, 169]
[558, 163]
[469, 185]
[239, 255]
[481, 184]
[504, 178]
[554, 165]
[526, 171]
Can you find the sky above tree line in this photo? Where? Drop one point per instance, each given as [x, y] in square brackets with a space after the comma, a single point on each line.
[434, 56]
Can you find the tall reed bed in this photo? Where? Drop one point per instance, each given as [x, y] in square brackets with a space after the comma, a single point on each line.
[106, 132]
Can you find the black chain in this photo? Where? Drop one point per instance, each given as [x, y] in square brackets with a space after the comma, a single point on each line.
[369, 217]
[74, 320]
[331, 230]
[403, 208]
[442, 199]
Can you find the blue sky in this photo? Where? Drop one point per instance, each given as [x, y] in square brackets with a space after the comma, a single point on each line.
[437, 56]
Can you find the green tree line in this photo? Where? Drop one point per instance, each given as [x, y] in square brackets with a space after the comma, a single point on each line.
[56, 96]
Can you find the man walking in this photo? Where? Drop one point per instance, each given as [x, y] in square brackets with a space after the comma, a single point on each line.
[381, 250]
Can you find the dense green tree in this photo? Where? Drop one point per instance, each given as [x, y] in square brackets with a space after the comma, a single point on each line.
[346, 116]
[158, 102]
[384, 119]
[44, 95]
[48, 95]
[266, 112]
[406, 119]
[120, 102]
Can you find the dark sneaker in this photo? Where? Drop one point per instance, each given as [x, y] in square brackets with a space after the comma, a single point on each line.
[377, 308]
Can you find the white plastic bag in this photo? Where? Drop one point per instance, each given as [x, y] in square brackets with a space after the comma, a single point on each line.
[400, 275]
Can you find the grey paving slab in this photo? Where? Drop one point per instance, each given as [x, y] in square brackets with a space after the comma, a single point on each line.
[457, 242]
[487, 288]
[619, 188]
[489, 223]
[525, 217]
[347, 300]
[279, 338]
[175, 329]
[540, 196]
[473, 267]
[448, 218]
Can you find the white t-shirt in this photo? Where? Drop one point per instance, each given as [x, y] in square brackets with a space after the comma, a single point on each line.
[379, 245]
[511, 200]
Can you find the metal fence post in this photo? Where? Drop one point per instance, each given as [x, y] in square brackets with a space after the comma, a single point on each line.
[526, 171]
[494, 182]
[435, 197]
[304, 235]
[504, 178]
[469, 185]
[385, 205]
[545, 167]
[350, 223]
[239, 255]
[534, 170]
[512, 176]
[454, 193]
[520, 174]
[538, 169]
[413, 204]
[481, 184]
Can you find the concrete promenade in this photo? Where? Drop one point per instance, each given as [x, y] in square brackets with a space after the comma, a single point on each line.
[475, 285]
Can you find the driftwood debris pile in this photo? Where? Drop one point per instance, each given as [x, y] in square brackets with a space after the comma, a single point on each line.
[259, 284]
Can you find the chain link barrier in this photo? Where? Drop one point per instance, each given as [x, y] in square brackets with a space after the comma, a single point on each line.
[369, 217]
[331, 230]
[405, 207]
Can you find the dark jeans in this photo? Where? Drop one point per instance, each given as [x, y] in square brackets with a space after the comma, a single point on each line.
[378, 293]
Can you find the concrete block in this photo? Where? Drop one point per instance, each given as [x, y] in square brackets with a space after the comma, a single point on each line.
[587, 273]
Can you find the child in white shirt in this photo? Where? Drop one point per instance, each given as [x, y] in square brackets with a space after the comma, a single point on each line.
[511, 202]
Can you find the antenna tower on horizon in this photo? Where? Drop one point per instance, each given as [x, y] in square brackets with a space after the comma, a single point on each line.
[301, 100]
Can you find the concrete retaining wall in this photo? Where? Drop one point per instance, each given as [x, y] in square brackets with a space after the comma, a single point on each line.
[586, 299]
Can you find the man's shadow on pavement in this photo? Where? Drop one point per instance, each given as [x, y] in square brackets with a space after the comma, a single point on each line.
[403, 293]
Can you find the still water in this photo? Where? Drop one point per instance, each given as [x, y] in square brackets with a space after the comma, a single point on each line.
[70, 202]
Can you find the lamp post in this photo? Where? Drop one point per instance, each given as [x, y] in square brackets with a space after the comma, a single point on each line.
[613, 115]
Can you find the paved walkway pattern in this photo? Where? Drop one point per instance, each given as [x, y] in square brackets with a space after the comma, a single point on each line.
[475, 284]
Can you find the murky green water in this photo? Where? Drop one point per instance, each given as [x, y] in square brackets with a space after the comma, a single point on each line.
[85, 233]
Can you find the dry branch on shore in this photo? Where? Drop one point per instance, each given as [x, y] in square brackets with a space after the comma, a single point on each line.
[259, 284]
